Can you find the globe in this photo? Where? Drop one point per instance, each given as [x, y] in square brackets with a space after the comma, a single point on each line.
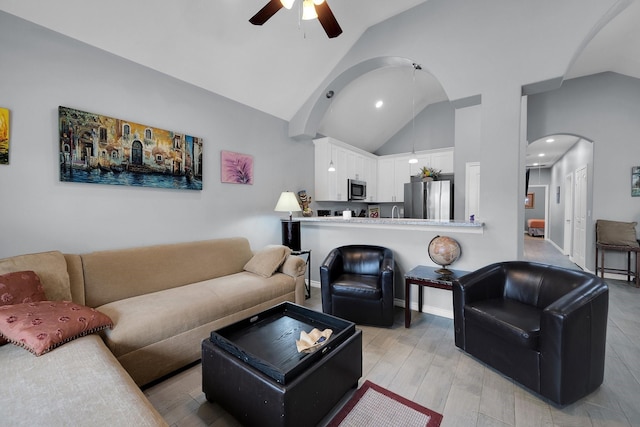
[444, 251]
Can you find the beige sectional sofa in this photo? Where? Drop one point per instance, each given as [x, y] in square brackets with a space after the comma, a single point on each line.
[163, 300]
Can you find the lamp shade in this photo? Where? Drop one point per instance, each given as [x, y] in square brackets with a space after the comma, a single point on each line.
[308, 10]
[288, 202]
[287, 3]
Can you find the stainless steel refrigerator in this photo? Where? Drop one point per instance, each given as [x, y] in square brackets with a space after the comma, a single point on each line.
[429, 200]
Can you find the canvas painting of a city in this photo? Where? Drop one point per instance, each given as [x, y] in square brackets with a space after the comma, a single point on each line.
[4, 136]
[99, 149]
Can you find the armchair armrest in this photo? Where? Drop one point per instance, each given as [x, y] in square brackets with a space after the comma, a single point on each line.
[572, 342]
[387, 262]
[329, 271]
[485, 283]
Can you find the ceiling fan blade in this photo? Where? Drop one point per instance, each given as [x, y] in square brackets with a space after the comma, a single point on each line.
[327, 20]
[266, 12]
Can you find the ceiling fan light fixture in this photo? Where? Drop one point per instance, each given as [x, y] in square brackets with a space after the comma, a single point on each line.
[308, 10]
[287, 3]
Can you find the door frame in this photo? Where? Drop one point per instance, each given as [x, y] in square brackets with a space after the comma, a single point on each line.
[568, 214]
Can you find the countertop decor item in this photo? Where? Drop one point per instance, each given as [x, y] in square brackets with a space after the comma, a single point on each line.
[427, 172]
[305, 199]
[444, 251]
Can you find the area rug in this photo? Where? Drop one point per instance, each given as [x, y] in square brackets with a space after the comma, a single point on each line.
[372, 405]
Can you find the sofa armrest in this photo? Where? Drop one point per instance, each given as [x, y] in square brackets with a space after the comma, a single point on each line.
[293, 266]
[572, 342]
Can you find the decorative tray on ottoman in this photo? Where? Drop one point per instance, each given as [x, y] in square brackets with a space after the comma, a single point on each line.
[267, 341]
[252, 368]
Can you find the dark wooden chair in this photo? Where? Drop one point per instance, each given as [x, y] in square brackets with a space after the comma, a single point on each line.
[618, 237]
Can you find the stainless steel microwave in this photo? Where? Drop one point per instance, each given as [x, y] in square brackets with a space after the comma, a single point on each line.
[357, 190]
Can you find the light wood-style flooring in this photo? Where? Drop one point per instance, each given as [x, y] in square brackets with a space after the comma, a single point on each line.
[423, 364]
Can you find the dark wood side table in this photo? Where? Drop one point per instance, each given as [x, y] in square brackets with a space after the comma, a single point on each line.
[425, 276]
[307, 283]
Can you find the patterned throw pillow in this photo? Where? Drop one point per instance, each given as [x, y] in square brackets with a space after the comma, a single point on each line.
[19, 287]
[42, 326]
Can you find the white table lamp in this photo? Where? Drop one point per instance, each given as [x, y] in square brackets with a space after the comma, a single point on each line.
[288, 202]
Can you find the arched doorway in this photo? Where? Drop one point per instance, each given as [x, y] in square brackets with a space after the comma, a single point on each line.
[567, 162]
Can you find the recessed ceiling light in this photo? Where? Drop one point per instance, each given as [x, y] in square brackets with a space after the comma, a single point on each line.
[379, 104]
[535, 164]
[541, 155]
[550, 140]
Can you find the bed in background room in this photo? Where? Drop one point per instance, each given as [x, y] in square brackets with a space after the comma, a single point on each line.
[536, 227]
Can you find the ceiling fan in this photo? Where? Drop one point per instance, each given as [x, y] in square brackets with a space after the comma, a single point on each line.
[311, 9]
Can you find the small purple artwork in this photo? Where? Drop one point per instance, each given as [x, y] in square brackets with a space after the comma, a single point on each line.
[236, 168]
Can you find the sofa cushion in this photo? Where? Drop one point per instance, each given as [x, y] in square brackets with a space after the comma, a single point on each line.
[148, 319]
[513, 321]
[616, 233]
[78, 384]
[119, 274]
[267, 261]
[50, 267]
[44, 325]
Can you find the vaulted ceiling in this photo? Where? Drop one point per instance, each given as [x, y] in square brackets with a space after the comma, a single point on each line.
[276, 67]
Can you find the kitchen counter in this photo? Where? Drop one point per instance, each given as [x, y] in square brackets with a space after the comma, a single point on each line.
[396, 223]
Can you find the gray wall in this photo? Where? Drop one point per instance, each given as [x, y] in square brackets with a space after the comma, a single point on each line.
[434, 128]
[41, 70]
[602, 108]
[540, 203]
[581, 154]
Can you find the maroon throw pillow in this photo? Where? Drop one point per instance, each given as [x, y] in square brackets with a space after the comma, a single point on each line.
[44, 325]
[19, 287]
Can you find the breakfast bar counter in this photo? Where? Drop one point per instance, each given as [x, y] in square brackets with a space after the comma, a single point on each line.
[396, 223]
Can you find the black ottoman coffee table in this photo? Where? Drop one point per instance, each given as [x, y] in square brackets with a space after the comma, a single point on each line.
[254, 371]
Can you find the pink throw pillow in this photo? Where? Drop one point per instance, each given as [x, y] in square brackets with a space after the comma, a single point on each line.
[42, 326]
[19, 287]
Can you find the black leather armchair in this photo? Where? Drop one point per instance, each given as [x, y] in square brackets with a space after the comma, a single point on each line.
[357, 284]
[543, 326]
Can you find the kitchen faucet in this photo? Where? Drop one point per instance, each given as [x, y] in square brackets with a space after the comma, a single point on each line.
[394, 208]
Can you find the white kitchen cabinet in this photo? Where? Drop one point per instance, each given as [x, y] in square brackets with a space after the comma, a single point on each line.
[402, 175]
[424, 159]
[371, 178]
[437, 159]
[349, 164]
[386, 180]
[328, 185]
[442, 160]
[385, 175]
[393, 173]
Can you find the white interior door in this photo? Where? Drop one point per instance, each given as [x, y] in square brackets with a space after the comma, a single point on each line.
[472, 190]
[580, 217]
[568, 214]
